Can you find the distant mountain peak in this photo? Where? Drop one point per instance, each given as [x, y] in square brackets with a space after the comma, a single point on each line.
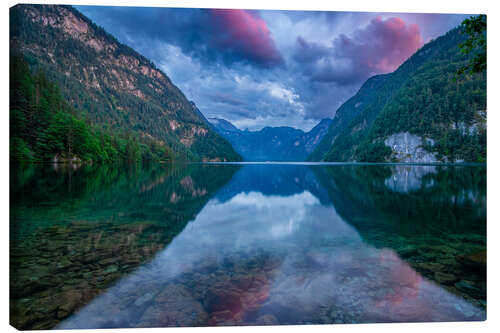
[281, 143]
[223, 124]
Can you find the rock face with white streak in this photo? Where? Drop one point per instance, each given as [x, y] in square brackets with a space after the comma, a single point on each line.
[408, 147]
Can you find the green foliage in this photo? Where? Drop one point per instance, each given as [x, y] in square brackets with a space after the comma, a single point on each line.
[475, 45]
[124, 187]
[346, 114]
[360, 192]
[372, 152]
[20, 151]
[421, 97]
[114, 87]
[433, 105]
[44, 126]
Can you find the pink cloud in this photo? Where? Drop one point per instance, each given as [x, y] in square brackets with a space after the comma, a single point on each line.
[246, 34]
[383, 45]
[380, 47]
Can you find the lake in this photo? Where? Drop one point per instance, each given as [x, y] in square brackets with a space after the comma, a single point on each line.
[246, 244]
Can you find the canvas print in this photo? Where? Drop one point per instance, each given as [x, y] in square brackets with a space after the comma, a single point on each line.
[231, 167]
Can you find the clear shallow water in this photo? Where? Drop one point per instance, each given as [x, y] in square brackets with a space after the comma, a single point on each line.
[253, 244]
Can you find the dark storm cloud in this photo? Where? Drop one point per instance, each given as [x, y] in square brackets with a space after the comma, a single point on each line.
[306, 52]
[380, 47]
[211, 35]
[270, 68]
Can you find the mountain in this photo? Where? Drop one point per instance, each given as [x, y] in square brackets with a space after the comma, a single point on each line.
[422, 112]
[223, 125]
[44, 126]
[304, 144]
[264, 145]
[346, 113]
[394, 195]
[115, 88]
[271, 143]
[174, 194]
[273, 180]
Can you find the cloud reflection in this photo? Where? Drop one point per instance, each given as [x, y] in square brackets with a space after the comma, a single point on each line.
[264, 259]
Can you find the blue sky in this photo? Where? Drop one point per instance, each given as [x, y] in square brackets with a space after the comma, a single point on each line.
[270, 68]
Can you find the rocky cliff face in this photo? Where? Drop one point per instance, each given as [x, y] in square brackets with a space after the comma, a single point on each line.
[422, 112]
[406, 147]
[112, 84]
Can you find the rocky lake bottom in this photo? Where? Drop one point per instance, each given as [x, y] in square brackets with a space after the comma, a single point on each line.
[207, 245]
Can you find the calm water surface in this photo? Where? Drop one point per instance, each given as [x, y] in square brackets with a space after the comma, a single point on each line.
[256, 244]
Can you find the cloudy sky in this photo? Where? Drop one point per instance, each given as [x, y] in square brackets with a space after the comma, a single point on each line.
[270, 68]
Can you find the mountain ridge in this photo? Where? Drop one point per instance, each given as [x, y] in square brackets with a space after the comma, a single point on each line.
[346, 113]
[116, 87]
[280, 143]
[422, 112]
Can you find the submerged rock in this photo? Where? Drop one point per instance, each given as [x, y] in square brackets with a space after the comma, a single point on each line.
[475, 260]
[469, 288]
[174, 307]
[143, 299]
[111, 269]
[445, 278]
[430, 266]
[408, 252]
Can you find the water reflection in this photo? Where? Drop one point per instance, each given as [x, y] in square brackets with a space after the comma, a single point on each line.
[440, 230]
[408, 178]
[277, 244]
[75, 233]
[269, 259]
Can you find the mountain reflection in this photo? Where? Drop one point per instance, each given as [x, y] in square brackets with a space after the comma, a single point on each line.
[291, 244]
[407, 178]
[435, 219]
[75, 232]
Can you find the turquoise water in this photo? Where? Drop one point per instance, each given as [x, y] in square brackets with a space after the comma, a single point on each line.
[246, 244]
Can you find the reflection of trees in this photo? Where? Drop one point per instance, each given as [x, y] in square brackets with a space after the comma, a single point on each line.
[108, 222]
[451, 199]
[433, 226]
[65, 190]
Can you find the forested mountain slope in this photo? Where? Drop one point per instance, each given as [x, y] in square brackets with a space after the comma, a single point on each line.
[44, 126]
[116, 88]
[346, 113]
[422, 112]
